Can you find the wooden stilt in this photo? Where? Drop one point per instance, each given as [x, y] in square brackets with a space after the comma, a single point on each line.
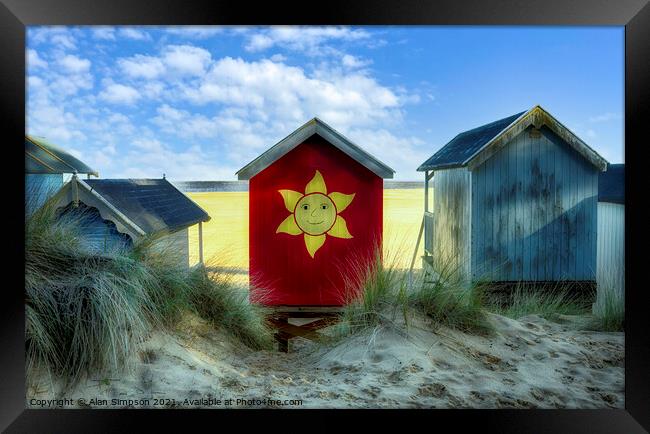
[278, 318]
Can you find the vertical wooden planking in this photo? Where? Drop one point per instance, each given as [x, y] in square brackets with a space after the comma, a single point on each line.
[487, 207]
[479, 241]
[519, 231]
[610, 273]
[534, 187]
[504, 189]
[526, 205]
[557, 207]
[594, 208]
[503, 214]
[543, 209]
[573, 216]
[581, 201]
[563, 251]
[475, 221]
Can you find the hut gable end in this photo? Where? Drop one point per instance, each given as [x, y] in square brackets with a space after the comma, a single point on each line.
[320, 128]
[473, 147]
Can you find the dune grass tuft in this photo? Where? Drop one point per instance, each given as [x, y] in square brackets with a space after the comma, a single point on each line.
[548, 303]
[609, 310]
[381, 296]
[87, 313]
[448, 300]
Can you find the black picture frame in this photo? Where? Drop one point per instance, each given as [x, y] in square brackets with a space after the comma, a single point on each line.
[15, 15]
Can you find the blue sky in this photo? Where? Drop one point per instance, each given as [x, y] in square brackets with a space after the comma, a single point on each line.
[198, 103]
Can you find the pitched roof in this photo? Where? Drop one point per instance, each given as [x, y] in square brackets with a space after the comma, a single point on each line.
[42, 157]
[611, 184]
[465, 144]
[154, 205]
[314, 126]
[474, 146]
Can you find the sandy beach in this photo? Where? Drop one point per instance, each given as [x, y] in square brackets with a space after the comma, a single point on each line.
[529, 363]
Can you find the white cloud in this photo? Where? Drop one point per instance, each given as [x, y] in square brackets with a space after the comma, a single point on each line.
[278, 58]
[34, 60]
[262, 101]
[64, 41]
[186, 59]
[119, 94]
[195, 32]
[59, 36]
[135, 34]
[402, 153]
[152, 158]
[294, 96]
[605, 117]
[104, 32]
[74, 64]
[310, 40]
[142, 66]
[354, 62]
[245, 106]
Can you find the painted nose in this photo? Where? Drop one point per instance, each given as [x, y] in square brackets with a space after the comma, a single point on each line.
[313, 213]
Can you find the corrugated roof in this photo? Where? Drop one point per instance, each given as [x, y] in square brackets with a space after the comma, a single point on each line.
[153, 204]
[611, 184]
[42, 157]
[466, 144]
[314, 126]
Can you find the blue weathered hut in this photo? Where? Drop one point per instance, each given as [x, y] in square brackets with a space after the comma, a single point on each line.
[116, 212]
[46, 165]
[514, 201]
[610, 271]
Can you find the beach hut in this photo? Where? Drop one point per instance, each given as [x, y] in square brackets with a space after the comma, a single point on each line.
[46, 166]
[114, 213]
[514, 200]
[315, 213]
[610, 272]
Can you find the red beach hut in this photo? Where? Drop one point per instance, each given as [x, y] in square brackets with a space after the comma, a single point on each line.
[315, 213]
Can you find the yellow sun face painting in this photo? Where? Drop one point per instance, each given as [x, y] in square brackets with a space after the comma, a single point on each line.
[315, 214]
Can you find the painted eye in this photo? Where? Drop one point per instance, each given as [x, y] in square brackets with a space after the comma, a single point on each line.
[323, 206]
[305, 207]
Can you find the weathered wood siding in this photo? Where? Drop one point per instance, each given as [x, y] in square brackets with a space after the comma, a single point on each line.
[177, 245]
[39, 188]
[451, 219]
[610, 274]
[96, 234]
[534, 212]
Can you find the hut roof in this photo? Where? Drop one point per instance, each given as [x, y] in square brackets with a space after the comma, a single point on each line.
[314, 126]
[154, 205]
[473, 147]
[611, 184]
[42, 157]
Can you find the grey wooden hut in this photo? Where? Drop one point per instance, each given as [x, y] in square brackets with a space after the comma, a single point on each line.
[610, 274]
[514, 200]
[116, 212]
[46, 166]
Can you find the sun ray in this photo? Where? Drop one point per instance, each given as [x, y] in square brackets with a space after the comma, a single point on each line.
[313, 243]
[341, 200]
[291, 198]
[289, 226]
[316, 185]
[340, 229]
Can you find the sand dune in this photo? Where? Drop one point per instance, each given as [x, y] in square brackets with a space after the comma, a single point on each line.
[526, 364]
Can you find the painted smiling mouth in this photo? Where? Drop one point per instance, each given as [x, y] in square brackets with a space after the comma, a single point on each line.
[312, 223]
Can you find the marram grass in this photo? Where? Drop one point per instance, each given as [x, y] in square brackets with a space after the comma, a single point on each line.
[86, 313]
